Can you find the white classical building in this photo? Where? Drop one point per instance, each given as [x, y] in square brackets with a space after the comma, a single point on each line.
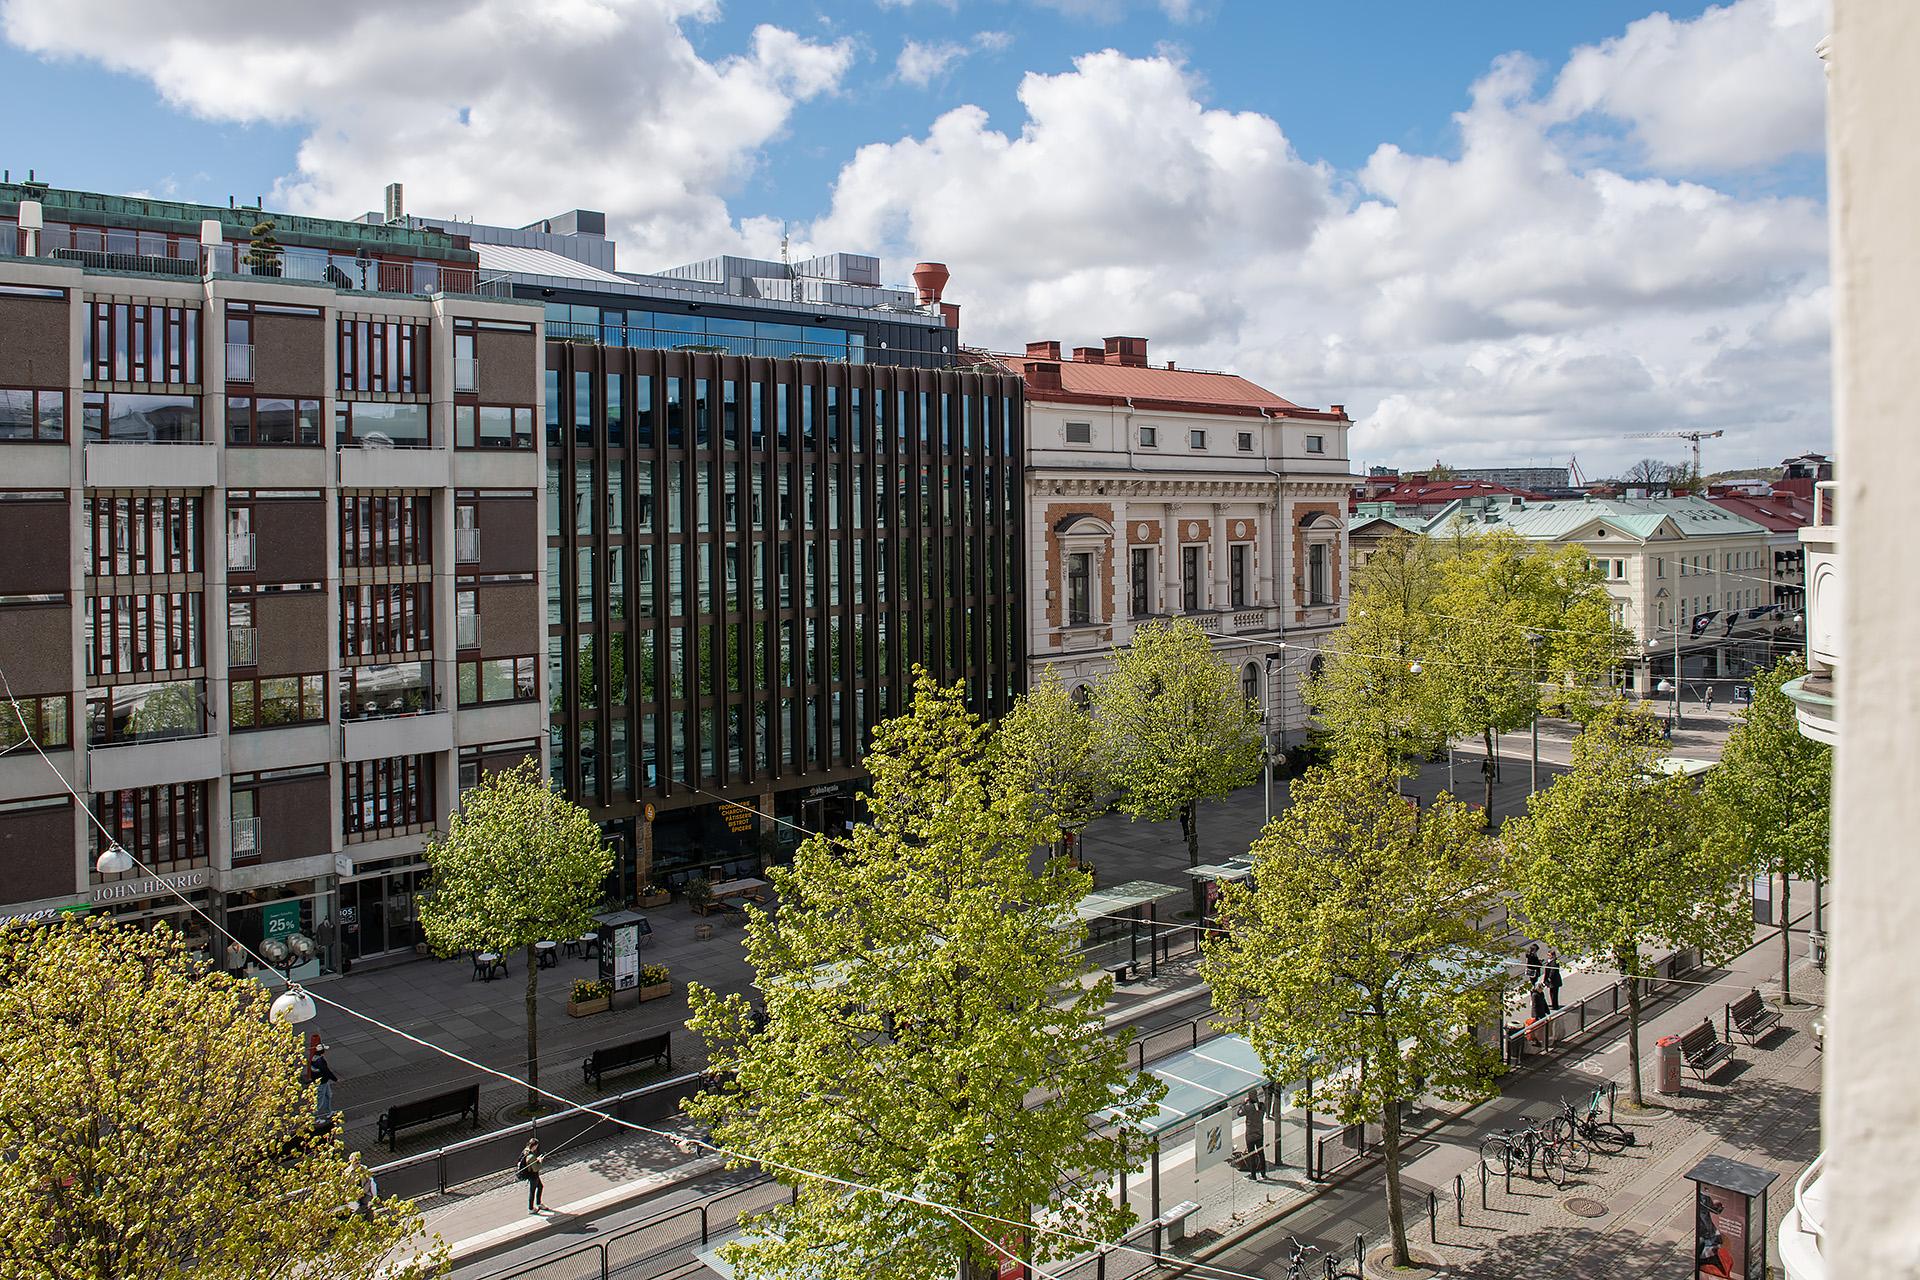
[1155, 491]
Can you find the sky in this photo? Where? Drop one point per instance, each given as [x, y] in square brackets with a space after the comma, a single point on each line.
[1504, 232]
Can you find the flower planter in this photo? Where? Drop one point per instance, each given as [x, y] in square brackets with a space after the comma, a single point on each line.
[660, 899]
[656, 992]
[586, 1008]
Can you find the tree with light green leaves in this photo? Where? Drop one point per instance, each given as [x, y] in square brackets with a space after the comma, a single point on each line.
[1048, 747]
[1524, 630]
[520, 864]
[1175, 729]
[1357, 958]
[1374, 695]
[927, 1032]
[1769, 800]
[156, 1124]
[1612, 862]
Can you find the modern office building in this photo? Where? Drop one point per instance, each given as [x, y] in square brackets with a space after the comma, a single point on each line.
[746, 559]
[273, 584]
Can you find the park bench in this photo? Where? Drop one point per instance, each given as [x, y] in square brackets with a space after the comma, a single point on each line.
[1751, 1017]
[1176, 1220]
[616, 1057]
[441, 1106]
[1703, 1051]
[1124, 972]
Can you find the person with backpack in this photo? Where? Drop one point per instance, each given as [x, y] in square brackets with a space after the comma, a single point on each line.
[529, 1172]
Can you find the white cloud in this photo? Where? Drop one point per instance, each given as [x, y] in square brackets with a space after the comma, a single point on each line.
[502, 109]
[923, 63]
[1736, 87]
[1512, 301]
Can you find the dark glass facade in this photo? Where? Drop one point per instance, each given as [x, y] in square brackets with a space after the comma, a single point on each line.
[746, 558]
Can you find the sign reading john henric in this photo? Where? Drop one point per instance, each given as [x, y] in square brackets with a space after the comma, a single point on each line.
[150, 886]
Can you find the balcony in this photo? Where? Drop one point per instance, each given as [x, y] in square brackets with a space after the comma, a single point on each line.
[1812, 694]
[156, 464]
[240, 552]
[242, 646]
[410, 734]
[152, 764]
[466, 546]
[239, 362]
[245, 834]
[371, 465]
[466, 373]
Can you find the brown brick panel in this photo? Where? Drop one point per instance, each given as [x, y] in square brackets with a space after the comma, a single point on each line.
[36, 853]
[296, 818]
[39, 544]
[34, 346]
[290, 540]
[509, 367]
[290, 354]
[512, 621]
[36, 642]
[292, 636]
[510, 539]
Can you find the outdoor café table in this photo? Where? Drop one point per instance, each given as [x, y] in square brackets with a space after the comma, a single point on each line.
[548, 953]
[743, 888]
[486, 962]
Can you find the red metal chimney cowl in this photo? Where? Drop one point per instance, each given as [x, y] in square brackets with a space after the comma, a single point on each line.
[950, 312]
[1044, 350]
[929, 281]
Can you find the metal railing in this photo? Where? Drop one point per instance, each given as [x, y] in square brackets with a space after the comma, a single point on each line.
[1810, 1222]
[1572, 1021]
[140, 263]
[466, 373]
[240, 548]
[1823, 500]
[466, 546]
[667, 1240]
[242, 646]
[466, 631]
[246, 838]
[239, 362]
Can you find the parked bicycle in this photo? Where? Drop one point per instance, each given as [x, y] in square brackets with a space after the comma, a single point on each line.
[1298, 1256]
[1584, 1123]
[1528, 1146]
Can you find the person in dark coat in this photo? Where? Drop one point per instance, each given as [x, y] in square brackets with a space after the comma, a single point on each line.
[1533, 963]
[1550, 977]
[1537, 1015]
[1255, 1117]
[323, 1077]
[529, 1172]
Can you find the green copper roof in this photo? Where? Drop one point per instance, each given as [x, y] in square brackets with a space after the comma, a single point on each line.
[1637, 518]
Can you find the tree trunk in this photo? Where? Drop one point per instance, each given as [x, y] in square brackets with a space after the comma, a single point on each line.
[1486, 771]
[533, 1029]
[1390, 1158]
[1786, 936]
[1630, 970]
[1190, 827]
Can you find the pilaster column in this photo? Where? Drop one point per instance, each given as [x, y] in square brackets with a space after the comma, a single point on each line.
[1217, 555]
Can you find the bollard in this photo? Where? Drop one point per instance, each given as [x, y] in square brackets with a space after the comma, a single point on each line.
[1433, 1215]
[1459, 1201]
[1483, 1186]
[1509, 1166]
[1612, 1087]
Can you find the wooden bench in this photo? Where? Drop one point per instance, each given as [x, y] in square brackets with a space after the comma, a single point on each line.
[441, 1106]
[617, 1057]
[1702, 1050]
[1751, 1017]
[1124, 972]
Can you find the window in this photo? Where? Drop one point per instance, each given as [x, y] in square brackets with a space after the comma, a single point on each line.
[169, 419]
[32, 415]
[1245, 441]
[401, 426]
[1197, 439]
[492, 426]
[386, 618]
[137, 634]
[1318, 589]
[1140, 593]
[466, 618]
[1250, 683]
[141, 342]
[46, 720]
[142, 533]
[1079, 589]
[277, 700]
[388, 689]
[393, 528]
[272, 420]
[387, 797]
[146, 712]
[1079, 433]
[383, 356]
[1316, 444]
[164, 827]
[1237, 575]
[1190, 579]
[497, 680]
[1149, 437]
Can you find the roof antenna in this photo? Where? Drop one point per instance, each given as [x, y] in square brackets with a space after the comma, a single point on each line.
[786, 261]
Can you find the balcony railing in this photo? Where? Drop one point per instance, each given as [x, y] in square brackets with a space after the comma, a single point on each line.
[242, 646]
[466, 631]
[466, 546]
[246, 839]
[466, 373]
[1823, 503]
[239, 362]
[240, 551]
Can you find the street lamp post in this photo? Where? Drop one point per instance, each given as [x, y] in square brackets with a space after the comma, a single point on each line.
[1276, 739]
[1534, 639]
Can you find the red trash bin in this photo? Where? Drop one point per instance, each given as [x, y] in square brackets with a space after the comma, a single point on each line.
[1666, 1072]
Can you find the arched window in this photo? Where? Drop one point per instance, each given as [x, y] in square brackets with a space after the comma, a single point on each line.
[1082, 696]
[1250, 683]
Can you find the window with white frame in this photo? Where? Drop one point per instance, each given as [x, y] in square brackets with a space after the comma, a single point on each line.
[1316, 444]
[1197, 439]
[1079, 433]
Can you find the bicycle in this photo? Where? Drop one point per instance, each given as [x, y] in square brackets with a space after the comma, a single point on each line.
[1502, 1150]
[1602, 1135]
[1298, 1255]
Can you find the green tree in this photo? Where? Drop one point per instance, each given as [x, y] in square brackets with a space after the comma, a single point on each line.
[1525, 630]
[1356, 958]
[519, 864]
[1048, 747]
[156, 1125]
[1769, 800]
[1175, 729]
[927, 1032]
[1610, 861]
[263, 249]
[1373, 695]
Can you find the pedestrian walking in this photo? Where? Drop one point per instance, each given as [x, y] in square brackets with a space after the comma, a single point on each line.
[1550, 975]
[529, 1172]
[1709, 699]
[1537, 1015]
[323, 1077]
[236, 959]
[1255, 1117]
[1533, 963]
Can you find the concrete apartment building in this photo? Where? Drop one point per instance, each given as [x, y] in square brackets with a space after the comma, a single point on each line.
[273, 589]
[1154, 492]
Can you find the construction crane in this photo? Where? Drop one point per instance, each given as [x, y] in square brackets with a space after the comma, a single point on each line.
[1577, 477]
[1695, 436]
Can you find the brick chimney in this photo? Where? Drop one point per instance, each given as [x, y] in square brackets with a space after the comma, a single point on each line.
[1338, 410]
[1131, 352]
[1048, 350]
[1043, 375]
[1089, 355]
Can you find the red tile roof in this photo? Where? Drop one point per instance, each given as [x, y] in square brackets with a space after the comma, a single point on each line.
[1779, 512]
[1444, 491]
[1155, 386]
